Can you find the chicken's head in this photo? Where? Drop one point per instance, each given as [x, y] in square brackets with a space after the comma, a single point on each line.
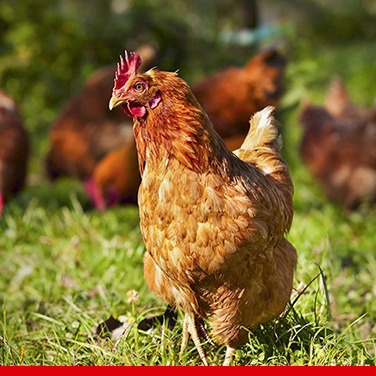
[135, 92]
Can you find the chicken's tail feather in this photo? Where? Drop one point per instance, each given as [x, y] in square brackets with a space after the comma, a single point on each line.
[261, 149]
[263, 131]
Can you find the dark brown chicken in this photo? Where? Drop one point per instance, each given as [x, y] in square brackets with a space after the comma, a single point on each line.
[339, 146]
[232, 95]
[213, 222]
[86, 130]
[14, 149]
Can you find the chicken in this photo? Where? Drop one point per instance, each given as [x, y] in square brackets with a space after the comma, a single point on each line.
[213, 222]
[86, 131]
[14, 149]
[232, 95]
[339, 147]
[115, 178]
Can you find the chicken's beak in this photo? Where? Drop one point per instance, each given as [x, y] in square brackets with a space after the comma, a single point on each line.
[115, 101]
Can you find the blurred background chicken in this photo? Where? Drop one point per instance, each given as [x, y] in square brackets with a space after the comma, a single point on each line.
[339, 146]
[213, 222]
[116, 178]
[85, 131]
[232, 95]
[14, 149]
[338, 102]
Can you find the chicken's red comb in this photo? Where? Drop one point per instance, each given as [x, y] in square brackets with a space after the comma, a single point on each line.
[126, 69]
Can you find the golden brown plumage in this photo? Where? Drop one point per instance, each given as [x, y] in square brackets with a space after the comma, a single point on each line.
[116, 176]
[213, 224]
[14, 149]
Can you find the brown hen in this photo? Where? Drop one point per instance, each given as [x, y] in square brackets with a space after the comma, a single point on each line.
[14, 149]
[339, 147]
[232, 95]
[213, 222]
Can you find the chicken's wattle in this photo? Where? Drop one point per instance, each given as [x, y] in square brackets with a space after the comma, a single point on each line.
[135, 109]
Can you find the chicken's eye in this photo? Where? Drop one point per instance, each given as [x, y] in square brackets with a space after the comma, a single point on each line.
[139, 86]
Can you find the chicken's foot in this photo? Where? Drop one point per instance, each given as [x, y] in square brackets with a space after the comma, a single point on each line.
[229, 355]
[190, 328]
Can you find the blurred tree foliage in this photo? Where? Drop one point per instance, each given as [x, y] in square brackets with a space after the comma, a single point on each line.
[328, 21]
[49, 47]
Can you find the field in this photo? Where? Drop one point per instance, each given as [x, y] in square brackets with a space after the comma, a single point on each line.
[65, 268]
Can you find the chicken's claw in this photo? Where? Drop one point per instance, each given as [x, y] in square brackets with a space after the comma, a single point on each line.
[190, 328]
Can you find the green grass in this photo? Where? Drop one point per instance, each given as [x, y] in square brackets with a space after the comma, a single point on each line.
[65, 268]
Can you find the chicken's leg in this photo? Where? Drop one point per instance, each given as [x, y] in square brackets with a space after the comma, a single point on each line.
[229, 355]
[190, 328]
[184, 341]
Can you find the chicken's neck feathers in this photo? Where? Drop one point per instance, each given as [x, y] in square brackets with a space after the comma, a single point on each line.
[182, 131]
